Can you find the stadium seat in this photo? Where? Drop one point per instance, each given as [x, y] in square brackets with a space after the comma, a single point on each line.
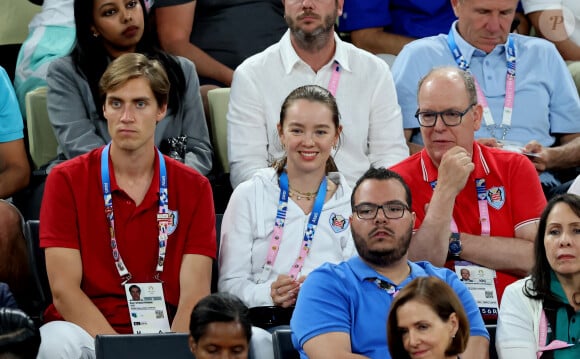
[143, 346]
[219, 100]
[214, 267]
[42, 141]
[37, 265]
[491, 329]
[283, 347]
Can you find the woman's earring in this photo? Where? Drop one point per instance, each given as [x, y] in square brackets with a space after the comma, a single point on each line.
[95, 34]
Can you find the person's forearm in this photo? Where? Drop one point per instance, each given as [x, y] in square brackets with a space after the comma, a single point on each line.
[184, 308]
[513, 255]
[569, 50]
[13, 179]
[377, 41]
[182, 316]
[477, 348]
[194, 284]
[76, 307]
[431, 241]
[206, 65]
[565, 156]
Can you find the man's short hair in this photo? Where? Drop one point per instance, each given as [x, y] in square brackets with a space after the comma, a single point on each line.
[468, 80]
[381, 173]
[131, 66]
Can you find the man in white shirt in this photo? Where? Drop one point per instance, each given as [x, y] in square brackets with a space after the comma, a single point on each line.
[311, 53]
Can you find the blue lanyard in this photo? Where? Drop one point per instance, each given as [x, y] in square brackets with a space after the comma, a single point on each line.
[279, 226]
[163, 216]
[509, 90]
[464, 65]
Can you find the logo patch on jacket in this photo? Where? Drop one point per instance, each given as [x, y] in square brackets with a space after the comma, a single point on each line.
[496, 197]
[338, 223]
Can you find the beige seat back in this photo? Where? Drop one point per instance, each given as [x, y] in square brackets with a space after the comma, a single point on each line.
[219, 100]
[42, 142]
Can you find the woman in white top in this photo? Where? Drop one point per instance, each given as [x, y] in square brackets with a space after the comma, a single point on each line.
[539, 315]
[289, 219]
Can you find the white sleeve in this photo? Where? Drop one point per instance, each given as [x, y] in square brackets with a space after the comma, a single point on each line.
[515, 335]
[540, 5]
[247, 129]
[235, 257]
[386, 139]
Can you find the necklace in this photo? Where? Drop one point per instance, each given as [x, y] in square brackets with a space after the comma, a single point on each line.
[299, 195]
[576, 301]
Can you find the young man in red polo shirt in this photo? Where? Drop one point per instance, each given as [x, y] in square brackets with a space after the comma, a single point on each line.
[477, 207]
[123, 216]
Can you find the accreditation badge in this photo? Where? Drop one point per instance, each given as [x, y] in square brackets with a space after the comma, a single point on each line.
[481, 283]
[147, 308]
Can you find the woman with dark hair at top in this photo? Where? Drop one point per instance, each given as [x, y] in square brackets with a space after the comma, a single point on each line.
[428, 321]
[540, 315]
[106, 29]
[220, 327]
[288, 220]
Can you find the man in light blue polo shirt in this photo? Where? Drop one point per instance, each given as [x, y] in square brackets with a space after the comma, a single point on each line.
[14, 176]
[543, 117]
[343, 308]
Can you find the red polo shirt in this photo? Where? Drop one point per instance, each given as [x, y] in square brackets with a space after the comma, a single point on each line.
[515, 196]
[73, 216]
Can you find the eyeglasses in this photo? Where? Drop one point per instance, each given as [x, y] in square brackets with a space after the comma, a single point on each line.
[390, 210]
[449, 117]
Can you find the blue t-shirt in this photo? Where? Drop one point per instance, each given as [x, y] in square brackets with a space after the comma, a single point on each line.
[341, 298]
[11, 126]
[413, 18]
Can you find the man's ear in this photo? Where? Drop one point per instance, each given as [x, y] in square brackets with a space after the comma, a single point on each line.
[454, 5]
[478, 113]
[340, 7]
[161, 112]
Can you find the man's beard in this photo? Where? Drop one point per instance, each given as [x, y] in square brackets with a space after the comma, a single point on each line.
[317, 38]
[383, 257]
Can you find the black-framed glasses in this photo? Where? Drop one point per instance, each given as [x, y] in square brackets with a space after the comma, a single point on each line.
[449, 117]
[394, 210]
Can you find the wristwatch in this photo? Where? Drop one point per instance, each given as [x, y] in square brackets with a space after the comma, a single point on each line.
[455, 247]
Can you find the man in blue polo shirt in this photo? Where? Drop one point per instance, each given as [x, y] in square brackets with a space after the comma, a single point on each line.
[343, 308]
[530, 101]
